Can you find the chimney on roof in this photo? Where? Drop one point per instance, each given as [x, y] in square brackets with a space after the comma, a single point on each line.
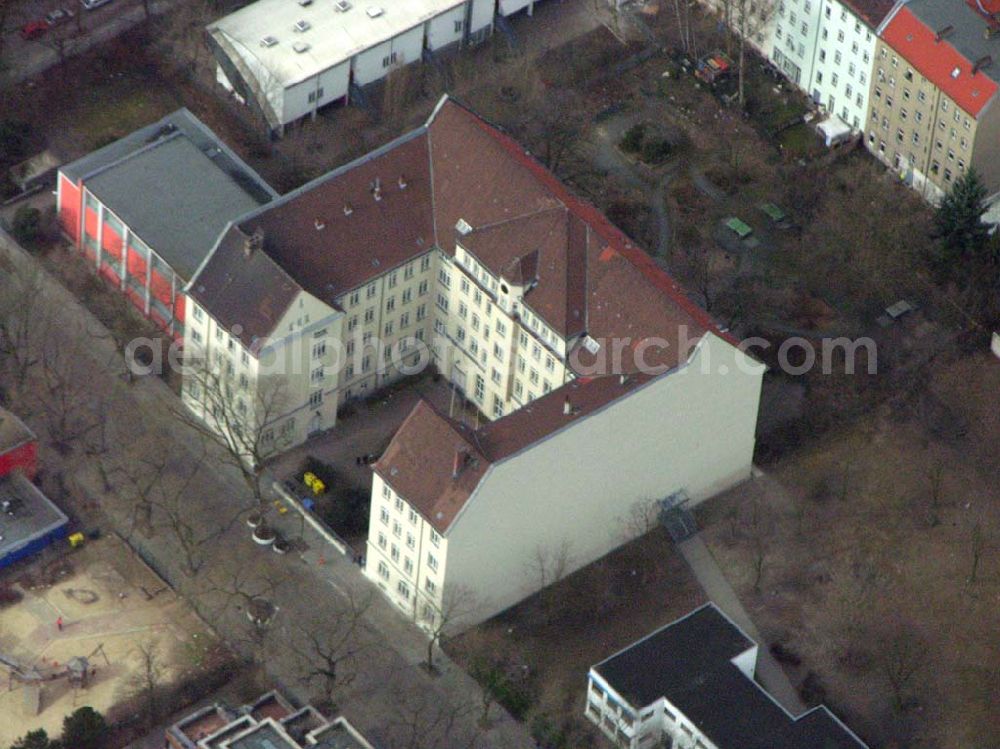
[402, 182]
[319, 224]
[459, 462]
[944, 33]
[253, 242]
[348, 210]
[983, 62]
[377, 189]
[567, 407]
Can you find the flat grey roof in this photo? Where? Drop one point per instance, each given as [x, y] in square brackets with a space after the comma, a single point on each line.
[175, 184]
[13, 432]
[31, 515]
[967, 33]
[264, 736]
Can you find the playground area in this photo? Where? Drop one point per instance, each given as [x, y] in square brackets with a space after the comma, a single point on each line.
[82, 634]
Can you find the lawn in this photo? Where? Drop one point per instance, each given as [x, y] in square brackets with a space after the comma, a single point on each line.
[880, 569]
[550, 641]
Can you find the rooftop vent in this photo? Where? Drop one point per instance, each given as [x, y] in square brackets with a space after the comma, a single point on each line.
[463, 227]
[300, 47]
[268, 41]
[301, 26]
[342, 6]
[319, 224]
[402, 182]
[253, 242]
[305, 3]
[374, 11]
[348, 210]
[956, 72]
[377, 189]
[591, 345]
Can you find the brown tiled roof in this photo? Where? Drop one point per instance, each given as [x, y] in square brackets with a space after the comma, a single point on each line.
[361, 237]
[585, 274]
[420, 462]
[871, 11]
[246, 293]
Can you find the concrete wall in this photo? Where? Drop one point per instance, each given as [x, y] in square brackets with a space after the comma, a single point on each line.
[689, 430]
[441, 29]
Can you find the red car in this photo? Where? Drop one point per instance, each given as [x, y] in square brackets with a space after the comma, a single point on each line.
[34, 30]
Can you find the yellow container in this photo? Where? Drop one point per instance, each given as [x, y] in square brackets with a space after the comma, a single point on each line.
[76, 539]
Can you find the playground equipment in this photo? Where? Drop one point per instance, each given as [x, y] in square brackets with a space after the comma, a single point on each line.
[77, 671]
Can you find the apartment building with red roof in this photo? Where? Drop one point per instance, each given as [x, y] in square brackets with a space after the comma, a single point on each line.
[601, 385]
[934, 112]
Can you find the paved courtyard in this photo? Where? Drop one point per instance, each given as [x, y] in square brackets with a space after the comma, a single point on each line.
[109, 605]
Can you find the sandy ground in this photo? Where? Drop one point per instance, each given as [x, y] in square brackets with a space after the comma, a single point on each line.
[110, 604]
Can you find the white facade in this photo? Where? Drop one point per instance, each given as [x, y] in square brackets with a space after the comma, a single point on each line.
[842, 72]
[826, 49]
[574, 488]
[640, 726]
[296, 57]
[277, 394]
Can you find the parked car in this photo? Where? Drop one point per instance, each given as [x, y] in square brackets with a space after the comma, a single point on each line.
[57, 16]
[91, 4]
[34, 30]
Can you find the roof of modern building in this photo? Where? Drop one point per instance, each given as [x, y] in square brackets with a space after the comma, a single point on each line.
[330, 36]
[26, 514]
[175, 184]
[13, 432]
[690, 663]
[332, 235]
[947, 42]
[873, 12]
[270, 722]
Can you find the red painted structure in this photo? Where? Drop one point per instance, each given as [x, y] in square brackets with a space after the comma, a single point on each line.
[154, 291]
[18, 447]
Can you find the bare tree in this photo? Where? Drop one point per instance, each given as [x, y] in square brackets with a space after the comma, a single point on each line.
[236, 418]
[425, 721]
[549, 565]
[457, 604]
[23, 322]
[749, 18]
[145, 681]
[760, 526]
[901, 655]
[642, 517]
[65, 398]
[976, 543]
[327, 649]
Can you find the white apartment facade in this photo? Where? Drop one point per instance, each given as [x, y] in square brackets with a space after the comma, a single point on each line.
[452, 244]
[562, 498]
[827, 48]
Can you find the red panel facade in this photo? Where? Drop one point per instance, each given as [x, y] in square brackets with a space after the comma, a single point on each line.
[179, 308]
[23, 458]
[136, 299]
[112, 242]
[160, 286]
[136, 266]
[110, 274]
[69, 208]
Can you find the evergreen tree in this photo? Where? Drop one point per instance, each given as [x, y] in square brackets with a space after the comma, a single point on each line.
[84, 729]
[959, 227]
[35, 740]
